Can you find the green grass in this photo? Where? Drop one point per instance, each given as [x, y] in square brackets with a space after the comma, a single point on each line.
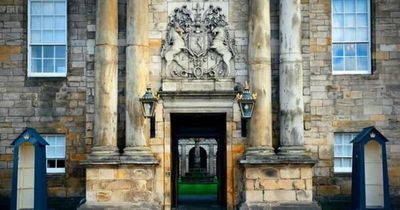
[197, 188]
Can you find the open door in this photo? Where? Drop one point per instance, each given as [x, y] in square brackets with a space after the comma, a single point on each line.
[26, 178]
[373, 175]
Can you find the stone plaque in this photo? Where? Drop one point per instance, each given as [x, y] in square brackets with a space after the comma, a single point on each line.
[198, 44]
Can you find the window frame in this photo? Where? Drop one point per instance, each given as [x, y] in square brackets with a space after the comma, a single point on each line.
[341, 169]
[55, 170]
[29, 50]
[369, 42]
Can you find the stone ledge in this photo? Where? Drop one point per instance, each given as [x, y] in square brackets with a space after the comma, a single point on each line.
[120, 161]
[280, 206]
[121, 206]
[277, 160]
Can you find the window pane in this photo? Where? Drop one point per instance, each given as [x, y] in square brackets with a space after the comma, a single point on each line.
[35, 36]
[47, 36]
[48, 51]
[350, 50]
[338, 163]
[350, 63]
[51, 163]
[36, 65]
[362, 6]
[338, 64]
[362, 49]
[36, 51]
[48, 22]
[60, 36]
[36, 22]
[60, 163]
[60, 8]
[362, 63]
[60, 51]
[362, 34]
[347, 150]
[350, 34]
[60, 152]
[338, 21]
[60, 23]
[337, 34]
[60, 65]
[346, 162]
[337, 50]
[337, 6]
[50, 151]
[349, 21]
[36, 8]
[362, 20]
[349, 6]
[48, 7]
[48, 65]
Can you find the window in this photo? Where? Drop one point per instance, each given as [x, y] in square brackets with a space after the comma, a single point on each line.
[55, 153]
[47, 40]
[351, 45]
[343, 152]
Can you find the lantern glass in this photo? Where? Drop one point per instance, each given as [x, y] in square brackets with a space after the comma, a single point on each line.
[246, 108]
[148, 102]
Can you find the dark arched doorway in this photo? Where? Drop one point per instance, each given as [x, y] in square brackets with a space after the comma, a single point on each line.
[203, 158]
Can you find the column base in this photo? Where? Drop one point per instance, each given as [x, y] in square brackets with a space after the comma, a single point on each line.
[103, 154]
[259, 151]
[138, 155]
[291, 150]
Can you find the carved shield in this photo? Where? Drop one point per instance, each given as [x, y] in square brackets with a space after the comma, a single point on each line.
[198, 43]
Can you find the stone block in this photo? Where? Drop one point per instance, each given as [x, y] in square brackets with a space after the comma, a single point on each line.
[279, 195]
[290, 173]
[92, 173]
[328, 190]
[105, 174]
[103, 196]
[306, 173]
[254, 196]
[304, 195]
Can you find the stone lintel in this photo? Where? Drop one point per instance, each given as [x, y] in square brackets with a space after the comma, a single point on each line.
[197, 94]
[278, 160]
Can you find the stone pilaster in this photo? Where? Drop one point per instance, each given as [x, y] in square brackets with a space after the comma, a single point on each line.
[137, 78]
[259, 53]
[106, 84]
[291, 79]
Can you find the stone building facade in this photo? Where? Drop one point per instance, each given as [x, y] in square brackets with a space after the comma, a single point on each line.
[115, 49]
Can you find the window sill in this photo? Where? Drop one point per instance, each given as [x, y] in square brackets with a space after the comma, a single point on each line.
[351, 73]
[31, 74]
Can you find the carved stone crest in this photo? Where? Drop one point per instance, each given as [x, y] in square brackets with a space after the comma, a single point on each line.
[198, 44]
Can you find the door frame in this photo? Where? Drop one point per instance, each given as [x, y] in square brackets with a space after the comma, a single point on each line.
[209, 125]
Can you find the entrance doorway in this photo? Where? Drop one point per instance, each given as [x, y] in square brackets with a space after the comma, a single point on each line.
[198, 161]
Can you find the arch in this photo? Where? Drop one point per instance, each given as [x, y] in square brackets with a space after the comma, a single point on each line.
[203, 158]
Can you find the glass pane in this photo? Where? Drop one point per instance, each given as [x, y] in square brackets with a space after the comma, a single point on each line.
[346, 162]
[350, 34]
[362, 64]
[48, 65]
[60, 65]
[362, 20]
[350, 63]
[347, 150]
[51, 163]
[349, 21]
[362, 34]
[36, 22]
[338, 139]
[362, 49]
[36, 8]
[337, 34]
[362, 6]
[36, 51]
[338, 163]
[349, 6]
[60, 8]
[48, 22]
[338, 64]
[60, 163]
[48, 51]
[337, 50]
[337, 151]
[35, 36]
[60, 36]
[60, 152]
[36, 65]
[60, 51]
[50, 151]
[48, 7]
[50, 140]
[60, 23]
[48, 36]
[350, 50]
[60, 141]
[338, 21]
[337, 6]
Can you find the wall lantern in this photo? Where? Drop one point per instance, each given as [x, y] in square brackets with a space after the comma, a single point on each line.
[148, 102]
[29, 186]
[370, 188]
[246, 102]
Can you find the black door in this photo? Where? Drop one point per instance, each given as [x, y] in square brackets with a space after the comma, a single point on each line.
[194, 125]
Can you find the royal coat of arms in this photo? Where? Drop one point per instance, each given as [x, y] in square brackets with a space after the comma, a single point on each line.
[198, 44]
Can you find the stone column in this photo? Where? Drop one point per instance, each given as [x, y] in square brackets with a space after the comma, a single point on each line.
[260, 127]
[137, 78]
[291, 79]
[106, 84]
